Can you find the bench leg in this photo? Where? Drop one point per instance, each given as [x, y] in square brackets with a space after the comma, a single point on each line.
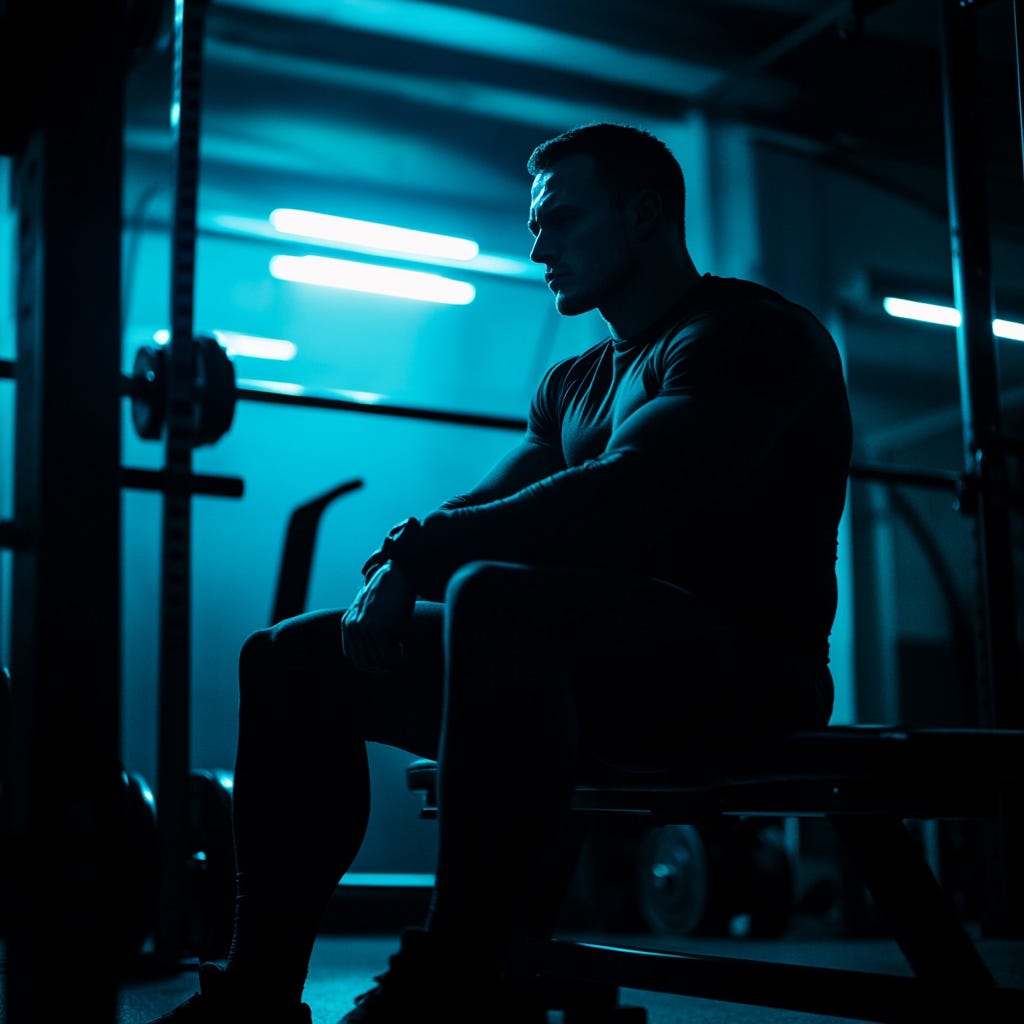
[923, 920]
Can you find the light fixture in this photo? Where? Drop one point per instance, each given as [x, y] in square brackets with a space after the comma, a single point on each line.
[245, 345]
[947, 316]
[364, 234]
[366, 277]
[256, 347]
[260, 227]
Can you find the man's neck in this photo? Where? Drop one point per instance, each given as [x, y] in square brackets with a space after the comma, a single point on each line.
[653, 294]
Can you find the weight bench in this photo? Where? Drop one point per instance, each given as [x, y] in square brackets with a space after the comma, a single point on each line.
[868, 782]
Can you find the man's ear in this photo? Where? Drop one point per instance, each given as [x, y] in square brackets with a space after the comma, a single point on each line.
[646, 210]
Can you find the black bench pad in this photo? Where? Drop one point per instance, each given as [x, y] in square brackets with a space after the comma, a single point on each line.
[916, 773]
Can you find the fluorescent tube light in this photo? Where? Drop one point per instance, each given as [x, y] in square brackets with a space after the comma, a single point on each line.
[483, 262]
[946, 316]
[245, 345]
[1008, 329]
[395, 879]
[366, 277]
[366, 234]
[926, 312]
[258, 348]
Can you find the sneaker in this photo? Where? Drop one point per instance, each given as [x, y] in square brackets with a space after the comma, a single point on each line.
[421, 978]
[217, 1002]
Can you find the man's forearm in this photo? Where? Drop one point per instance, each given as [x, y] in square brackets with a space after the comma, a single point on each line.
[584, 516]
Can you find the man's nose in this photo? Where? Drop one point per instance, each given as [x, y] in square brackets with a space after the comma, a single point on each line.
[541, 250]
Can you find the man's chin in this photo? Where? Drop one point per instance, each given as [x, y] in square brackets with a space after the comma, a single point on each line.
[572, 305]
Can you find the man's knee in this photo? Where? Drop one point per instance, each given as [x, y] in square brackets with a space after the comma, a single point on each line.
[255, 660]
[483, 586]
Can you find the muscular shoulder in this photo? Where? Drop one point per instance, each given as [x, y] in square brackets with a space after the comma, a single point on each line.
[564, 380]
[754, 314]
[577, 366]
[735, 329]
[570, 374]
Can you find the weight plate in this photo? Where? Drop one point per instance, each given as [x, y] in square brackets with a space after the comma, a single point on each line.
[768, 884]
[672, 880]
[215, 390]
[211, 865]
[148, 392]
[135, 901]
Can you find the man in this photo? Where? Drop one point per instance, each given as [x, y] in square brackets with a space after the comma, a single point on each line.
[650, 571]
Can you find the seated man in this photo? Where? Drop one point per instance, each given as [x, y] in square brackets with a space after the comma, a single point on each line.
[650, 570]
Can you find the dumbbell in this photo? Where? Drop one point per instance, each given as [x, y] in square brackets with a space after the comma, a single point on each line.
[133, 903]
[209, 870]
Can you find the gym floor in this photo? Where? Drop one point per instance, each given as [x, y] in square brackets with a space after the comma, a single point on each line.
[362, 925]
[344, 965]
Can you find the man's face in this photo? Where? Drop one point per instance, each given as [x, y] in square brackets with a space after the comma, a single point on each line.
[583, 242]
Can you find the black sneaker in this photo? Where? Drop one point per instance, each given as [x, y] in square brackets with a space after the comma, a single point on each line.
[217, 1002]
[423, 977]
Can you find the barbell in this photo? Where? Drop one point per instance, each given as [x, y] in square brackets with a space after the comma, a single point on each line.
[215, 392]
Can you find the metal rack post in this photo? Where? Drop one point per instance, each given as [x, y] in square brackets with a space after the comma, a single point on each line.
[999, 684]
[65, 665]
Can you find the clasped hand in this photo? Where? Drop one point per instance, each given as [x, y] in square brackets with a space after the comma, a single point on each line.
[372, 628]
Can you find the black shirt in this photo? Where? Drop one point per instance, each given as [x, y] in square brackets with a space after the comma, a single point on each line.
[711, 450]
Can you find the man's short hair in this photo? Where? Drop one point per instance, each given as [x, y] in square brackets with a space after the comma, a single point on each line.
[626, 159]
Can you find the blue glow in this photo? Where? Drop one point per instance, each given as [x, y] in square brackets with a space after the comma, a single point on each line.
[397, 879]
[256, 347]
[179, 20]
[946, 316]
[366, 277]
[483, 262]
[505, 38]
[926, 312]
[1009, 329]
[385, 238]
[245, 345]
[284, 387]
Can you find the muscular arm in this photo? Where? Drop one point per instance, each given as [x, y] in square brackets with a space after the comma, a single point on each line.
[668, 457]
[525, 464]
[721, 410]
[669, 451]
[528, 462]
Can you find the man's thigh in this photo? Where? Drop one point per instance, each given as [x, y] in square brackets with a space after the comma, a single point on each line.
[400, 708]
[646, 661]
[656, 674]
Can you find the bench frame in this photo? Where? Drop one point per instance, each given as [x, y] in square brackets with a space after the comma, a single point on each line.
[868, 782]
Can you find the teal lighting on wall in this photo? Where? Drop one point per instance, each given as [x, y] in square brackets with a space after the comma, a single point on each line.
[946, 316]
[351, 275]
[364, 234]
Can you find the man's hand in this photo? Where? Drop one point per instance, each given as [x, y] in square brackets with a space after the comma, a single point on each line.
[372, 627]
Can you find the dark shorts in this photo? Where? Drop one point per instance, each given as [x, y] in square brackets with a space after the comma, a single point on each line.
[652, 672]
